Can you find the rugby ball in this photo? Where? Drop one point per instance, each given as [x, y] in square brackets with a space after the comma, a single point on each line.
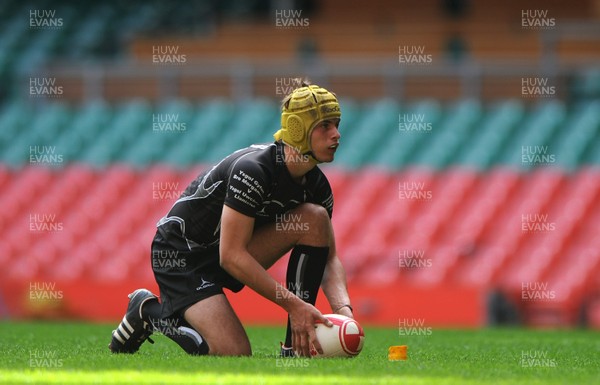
[344, 339]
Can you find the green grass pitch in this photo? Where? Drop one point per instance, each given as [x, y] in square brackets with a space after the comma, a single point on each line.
[76, 353]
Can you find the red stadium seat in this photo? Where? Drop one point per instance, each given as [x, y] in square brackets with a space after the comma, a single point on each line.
[470, 231]
[29, 183]
[350, 213]
[481, 206]
[5, 176]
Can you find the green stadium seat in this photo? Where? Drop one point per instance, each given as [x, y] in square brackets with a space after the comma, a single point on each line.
[207, 124]
[250, 123]
[576, 135]
[14, 121]
[169, 122]
[463, 134]
[400, 147]
[351, 111]
[17, 154]
[447, 138]
[42, 130]
[486, 142]
[86, 125]
[119, 133]
[536, 130]
[360, 141]
[49, 122]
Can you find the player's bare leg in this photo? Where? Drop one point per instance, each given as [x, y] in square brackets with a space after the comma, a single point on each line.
[214, 318]
[270, 242]
[308, 232]
[218, 324]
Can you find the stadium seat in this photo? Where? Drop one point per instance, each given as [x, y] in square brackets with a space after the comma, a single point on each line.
[362, 140]
[485, 145]
[469, 229]
[450, 134]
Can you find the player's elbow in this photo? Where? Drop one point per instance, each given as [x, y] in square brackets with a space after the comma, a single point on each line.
[224, 260]
[227, 259]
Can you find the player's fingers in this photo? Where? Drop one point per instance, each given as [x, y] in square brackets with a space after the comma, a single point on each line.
[304, 344]
[324, 320]
[314, 341]
[295, 342]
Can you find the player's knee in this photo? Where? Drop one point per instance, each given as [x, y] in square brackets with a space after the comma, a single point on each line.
[313, 214]
[315, 220]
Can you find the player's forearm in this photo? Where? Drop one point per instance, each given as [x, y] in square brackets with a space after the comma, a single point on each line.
[335, 286]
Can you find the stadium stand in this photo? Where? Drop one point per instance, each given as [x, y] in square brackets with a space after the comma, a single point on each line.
[493, 193]
[465, 220]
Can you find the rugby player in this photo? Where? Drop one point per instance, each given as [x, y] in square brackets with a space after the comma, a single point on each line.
[231, 224]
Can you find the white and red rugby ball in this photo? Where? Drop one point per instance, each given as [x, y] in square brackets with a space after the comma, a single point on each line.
[344, 339]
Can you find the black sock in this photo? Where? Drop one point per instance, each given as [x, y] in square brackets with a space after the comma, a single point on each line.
[304, 274]
[175, 328]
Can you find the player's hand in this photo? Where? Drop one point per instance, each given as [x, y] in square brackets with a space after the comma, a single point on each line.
[302, 319]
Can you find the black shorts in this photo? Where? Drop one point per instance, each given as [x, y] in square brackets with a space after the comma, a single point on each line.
[185, 277]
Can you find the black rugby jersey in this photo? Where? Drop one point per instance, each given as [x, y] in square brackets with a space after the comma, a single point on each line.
[253, 181]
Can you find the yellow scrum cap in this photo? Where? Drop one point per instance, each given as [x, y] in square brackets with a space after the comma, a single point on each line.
[300, 113]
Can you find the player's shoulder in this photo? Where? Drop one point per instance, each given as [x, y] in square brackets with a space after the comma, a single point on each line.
[255, 154]
[254, 159]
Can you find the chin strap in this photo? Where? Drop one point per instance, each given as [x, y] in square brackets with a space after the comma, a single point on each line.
[311, 157]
